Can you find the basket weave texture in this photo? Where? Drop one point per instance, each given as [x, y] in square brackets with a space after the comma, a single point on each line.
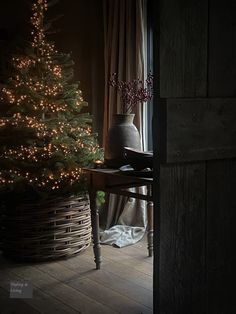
[51, 229]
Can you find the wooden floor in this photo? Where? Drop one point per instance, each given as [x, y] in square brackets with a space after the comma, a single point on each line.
[123, 285]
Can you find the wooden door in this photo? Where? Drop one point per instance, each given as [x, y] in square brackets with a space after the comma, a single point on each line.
[195, 156]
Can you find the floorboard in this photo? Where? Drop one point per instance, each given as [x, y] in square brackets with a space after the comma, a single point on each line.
[73, 285]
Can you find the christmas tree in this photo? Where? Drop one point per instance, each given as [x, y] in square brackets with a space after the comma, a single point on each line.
[45, 135]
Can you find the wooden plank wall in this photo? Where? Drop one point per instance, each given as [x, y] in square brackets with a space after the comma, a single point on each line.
[183, 39]
[222, 48]
[221, 174]
[196, 197]
[200, 129]
[221, 235]
[182, 248]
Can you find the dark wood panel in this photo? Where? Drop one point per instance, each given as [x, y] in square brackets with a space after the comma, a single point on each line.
[182, 243]
[222, 48]
[201, 129]
[197, 132]
[183, 48]
[221, 235]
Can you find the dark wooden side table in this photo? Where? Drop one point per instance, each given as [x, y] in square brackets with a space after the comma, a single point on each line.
[114, 181]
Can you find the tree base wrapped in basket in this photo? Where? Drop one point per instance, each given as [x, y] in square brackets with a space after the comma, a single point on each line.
[50, 229]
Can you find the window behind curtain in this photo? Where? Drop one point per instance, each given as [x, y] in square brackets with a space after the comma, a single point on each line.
[148, 107]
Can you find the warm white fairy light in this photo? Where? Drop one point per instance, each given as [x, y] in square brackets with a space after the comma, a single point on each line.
[36, 153]
[36, 87]
[8, 93]
[42, 180]
[57, 71]
[31, 122]
[38, 94]
[23, 63]
[45, 51]
[22, 153]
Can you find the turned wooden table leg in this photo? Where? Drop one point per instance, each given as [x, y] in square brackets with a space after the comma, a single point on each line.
[150, 222]
[95, 229]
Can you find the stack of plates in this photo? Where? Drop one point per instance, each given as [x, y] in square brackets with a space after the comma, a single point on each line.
[139, 160]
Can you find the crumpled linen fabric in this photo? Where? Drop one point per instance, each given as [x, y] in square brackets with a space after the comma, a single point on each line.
[126, 220]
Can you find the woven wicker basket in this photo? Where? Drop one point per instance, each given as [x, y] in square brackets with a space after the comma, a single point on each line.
[47, 230]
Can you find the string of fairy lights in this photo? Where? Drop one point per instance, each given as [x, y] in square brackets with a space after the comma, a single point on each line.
[27, 84]
[42, 127]
[44, 179]
[36, 153]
